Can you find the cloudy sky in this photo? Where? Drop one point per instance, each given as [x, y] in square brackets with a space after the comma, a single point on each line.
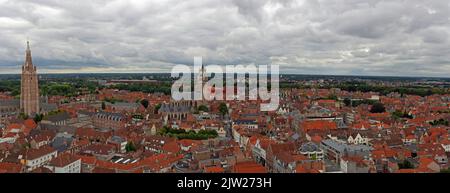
[337, 37]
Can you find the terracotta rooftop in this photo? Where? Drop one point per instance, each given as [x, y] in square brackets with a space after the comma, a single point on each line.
[6, 167]
[318, 125]
[249, 167]
[31, 154]
[214, 169]
[64, 160]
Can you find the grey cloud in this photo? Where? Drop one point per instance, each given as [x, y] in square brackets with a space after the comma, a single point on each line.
[377, 37]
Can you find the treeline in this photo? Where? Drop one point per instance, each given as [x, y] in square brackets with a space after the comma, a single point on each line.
[354, 103]
[399, 114]
[12, 86]
[354, 86]
[146, 88]
[439, 122]
[183, 134]
[68, 88]
[384, 90]
[54, 89]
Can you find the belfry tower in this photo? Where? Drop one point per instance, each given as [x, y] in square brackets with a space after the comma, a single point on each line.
[29, 95]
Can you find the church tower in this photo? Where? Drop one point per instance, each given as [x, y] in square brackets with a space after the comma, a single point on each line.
[203, 75]
[29, 95]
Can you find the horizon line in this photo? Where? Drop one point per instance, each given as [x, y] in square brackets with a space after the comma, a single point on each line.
[298, 74]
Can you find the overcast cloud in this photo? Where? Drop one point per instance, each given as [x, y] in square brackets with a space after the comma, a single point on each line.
[345, 37]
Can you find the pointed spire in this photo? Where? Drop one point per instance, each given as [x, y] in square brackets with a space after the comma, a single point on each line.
[28, 59]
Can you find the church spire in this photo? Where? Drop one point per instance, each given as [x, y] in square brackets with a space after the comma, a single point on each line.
[28, 60]
[29, 89]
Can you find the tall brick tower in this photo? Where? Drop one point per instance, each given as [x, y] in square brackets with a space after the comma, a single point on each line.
[29, 95]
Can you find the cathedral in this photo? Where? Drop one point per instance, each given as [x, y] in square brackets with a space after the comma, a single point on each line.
[30, 102]
[29, 95]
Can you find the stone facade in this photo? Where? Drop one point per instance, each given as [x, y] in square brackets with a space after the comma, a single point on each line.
[29, 95]
[105, 120]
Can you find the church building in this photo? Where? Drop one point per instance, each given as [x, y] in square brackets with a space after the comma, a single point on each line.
[29, 95]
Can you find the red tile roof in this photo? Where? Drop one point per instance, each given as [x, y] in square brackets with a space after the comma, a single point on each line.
[12, 126]
[10, 167]
[318, 125]
[64, 160]
[31, 154]
[214, 169]
[425, 162]
[153, 163]
[171, 147]
[30, 124]
[407, 171]
[316, 139]
[249, 167]
[90, 160]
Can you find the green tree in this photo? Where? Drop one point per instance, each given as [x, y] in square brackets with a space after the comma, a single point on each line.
[439, 122]
[223, 109]
[113, 100]
[347, 102]
[157, 107]
[38, 118]
[145, 103]
[332, 97]
[130, 147]
[26, 145]
[163, 87]
[183, 134]
[405, 165]
[203, 108]
[397, 114]
[378, 108]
